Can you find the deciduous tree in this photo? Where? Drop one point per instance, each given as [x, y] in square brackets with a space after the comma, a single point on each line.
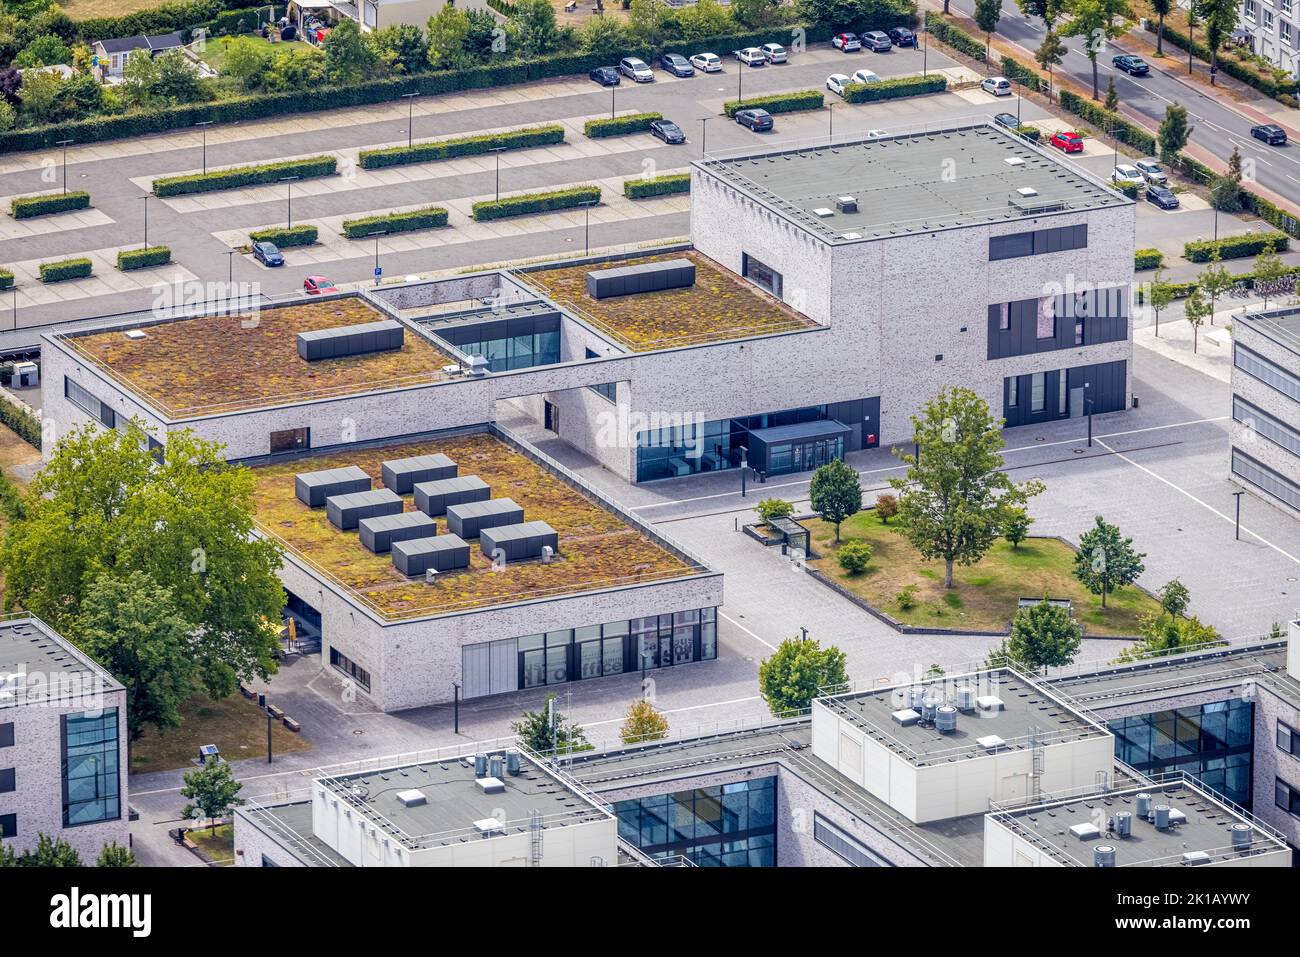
[1106, 560]
[212, 790]
[835, 493]
[797, 671]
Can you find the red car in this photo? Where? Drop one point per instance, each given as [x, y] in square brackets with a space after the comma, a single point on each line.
[315, 285]
[1067, 142]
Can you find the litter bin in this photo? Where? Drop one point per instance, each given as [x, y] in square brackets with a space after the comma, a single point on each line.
[1135, 402]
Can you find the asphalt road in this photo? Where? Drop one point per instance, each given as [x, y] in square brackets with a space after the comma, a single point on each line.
[1217, 126]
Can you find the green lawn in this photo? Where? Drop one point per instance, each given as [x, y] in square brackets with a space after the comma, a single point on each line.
[217, 843]
[985, 595]
[235, 725]
[214, 54]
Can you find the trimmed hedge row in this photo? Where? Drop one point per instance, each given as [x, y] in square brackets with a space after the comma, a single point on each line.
[426, 218]
[25, 207]
[1260, 81]
[536, 202]
[1148, 259]
[1110, 123]
[947, 33]
[657, 185]
[461, 146]
[619, 125]
[237, 176]
[895, 88]
[128, 259]
[6, 279]
[285, 237]
[1031, 133]
[778, 102]
[1235, 247]
[22, 422]
[1017, 72]
[78, 268]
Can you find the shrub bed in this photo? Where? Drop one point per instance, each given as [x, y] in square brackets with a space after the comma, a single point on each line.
[1017, 72]
[461, 146]
[285, 236]
[426, 218]
[78, 268]
[238, 176]
[1031, 133]
[1109, 123]
[945, 32]
[128, 259]
[893, 89]
[1235, 247]
[25, 207]
[619, 125]
[1244, 72]
[22, 422]
[6, 279]
[778, 102]
[536, 202]
[1148, 259]
[657, 185]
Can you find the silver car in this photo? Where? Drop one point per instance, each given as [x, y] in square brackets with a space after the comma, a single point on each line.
[1152, 171]
[774, 52]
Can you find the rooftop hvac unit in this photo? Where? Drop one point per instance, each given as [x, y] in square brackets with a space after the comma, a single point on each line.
[915, 695]
[654, 276]
[1243, 836]
[988, 702]
[477, 366]
[1103, 855]
[1160, 817]
[412, 798]
[345, 512]
[419, 556]
[386, 335]
[822, 212]
[480, 764]
[905, 717]
[313, 488]
[945, 719]
[1143, 805]
[965, 695]
[1176, 817]
[496, 766]
[434, 498]
[1025, 192]
[1085, 831]
[134, 334]
[489, 826]
[401, 475]
[990, 742]
[379, 533]
[520, 542]
[1122, 823]
[512, 761]
[1014, 161]
[470, 518]
[847, 204]
[490, 785]
[929, 709]
[1196, 858]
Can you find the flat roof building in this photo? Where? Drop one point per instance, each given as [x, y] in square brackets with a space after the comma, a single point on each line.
[1264, 438]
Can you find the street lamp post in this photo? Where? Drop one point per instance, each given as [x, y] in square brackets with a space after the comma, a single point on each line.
[704, 137]
[744, 468]
[925, 49]
[497, 153]
[376, 234]
[455, 720]
[64, 144]
[612, 90]
[1088, 404]
[203, 125]
[145, 197]
[410, 117]
[740, 83]
[830, 119]
[230, 275]
[288, 181]
[1237, 496]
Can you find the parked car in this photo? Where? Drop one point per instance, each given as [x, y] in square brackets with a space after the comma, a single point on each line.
[604, 75]
[750, 56]
[1270, 133]
[774, 52]
[1132, 65]
[668, 131]
[876, 41]
[1162, 196]
[315, 285]
[865, 76]
[636, 69]
[1152, 171]
[706, 63]
[997, 85]
[676, 64]
[902, 37]
[848, 42]
[268, 254]
[1126, 175]
[760, 121]
[1008, 120]
[836, 83]
[1067, 141]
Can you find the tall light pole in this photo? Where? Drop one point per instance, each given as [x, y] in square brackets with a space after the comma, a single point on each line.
[1237, 496]
[377, 233]
[204, 124]
[145, 197]
[230, 275]
[612, 89]
[410, 117]
[64, 144]
[288, 181]
[740, 83]
[925, 49]
[497, 153]
[830, 118]
[704, 137]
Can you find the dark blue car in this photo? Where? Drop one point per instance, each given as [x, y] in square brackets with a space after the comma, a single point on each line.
[268, 254]
[605, 75]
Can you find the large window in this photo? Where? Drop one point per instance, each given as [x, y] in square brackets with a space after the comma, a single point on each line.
[1059, 239]
[91, 791]
[8, 825]
[1286, 797]
[844, 844]
[350, 668]
[1212, 742]
[1261, 423]
[728, 825]
[1264, 478]
[1265, 371]
[88, 403]
[1038, 392]
[606, 390]
[8, 780]
[1288, 739]
[7, 735]
[760, 274]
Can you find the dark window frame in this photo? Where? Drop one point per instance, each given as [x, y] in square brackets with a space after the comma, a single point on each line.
[346, 666]
[7, 735]
[1292, 736]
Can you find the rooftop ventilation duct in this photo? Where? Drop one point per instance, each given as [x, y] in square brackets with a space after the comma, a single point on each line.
[489, 826]
[412, 798]
[822, 212]
[134, 334]
[965, 696]
[847, 204]
[1160, 817]
[1014, 161]
[1143, 805]
[990, 742]
[1243, 836]
[1103, 855]
[490, 785]
[988, 702]
[512, 761]
[1085, 831]
[496, 766]
[905, 717]
[477, 366]
[1196, 858]
[480, 765]
[945, 719]
[1025, 192]
[1122, 824]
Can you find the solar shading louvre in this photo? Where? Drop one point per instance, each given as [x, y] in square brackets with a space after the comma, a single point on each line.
[519, 542]
[401, 475]
[442, 553]
[313, 488]
[644, 277]
[342, 341]
[434, 498]
[379, 533]
[469, 519]
[345, 512]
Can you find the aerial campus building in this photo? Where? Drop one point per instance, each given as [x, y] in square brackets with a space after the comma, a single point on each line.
[805, 320]
[1265, 433]
[63, 743]
[1188, 760]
